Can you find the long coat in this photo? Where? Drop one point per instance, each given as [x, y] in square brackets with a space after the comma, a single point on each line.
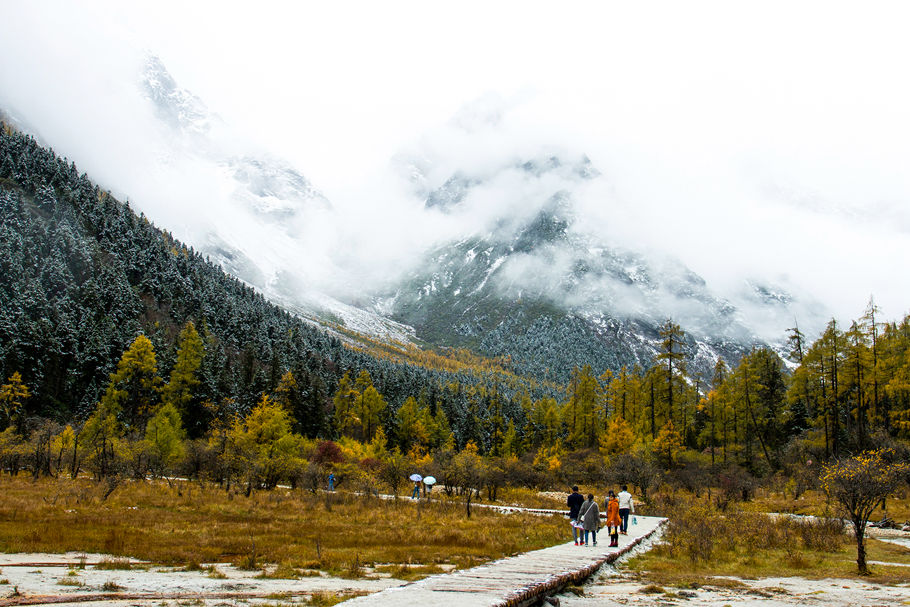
[589, 515]
[613, 519]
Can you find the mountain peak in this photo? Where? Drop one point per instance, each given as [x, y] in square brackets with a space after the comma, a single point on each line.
[176, 106]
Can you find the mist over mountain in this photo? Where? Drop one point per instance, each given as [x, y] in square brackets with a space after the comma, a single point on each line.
[517, 268]
[504, 254]
[593, 205]
[537, 282]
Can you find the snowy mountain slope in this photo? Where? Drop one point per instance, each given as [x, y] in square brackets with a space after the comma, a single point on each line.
[520, 260]
[537, 284]
[268, 210]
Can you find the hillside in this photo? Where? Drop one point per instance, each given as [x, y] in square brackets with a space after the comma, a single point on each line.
[81, 275]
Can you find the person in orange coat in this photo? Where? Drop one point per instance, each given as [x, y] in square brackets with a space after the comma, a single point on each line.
[613, 519]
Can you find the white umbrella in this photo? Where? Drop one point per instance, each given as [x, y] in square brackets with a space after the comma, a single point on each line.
[429, 480]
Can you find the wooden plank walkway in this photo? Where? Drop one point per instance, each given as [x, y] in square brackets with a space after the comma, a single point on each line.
[517, 580]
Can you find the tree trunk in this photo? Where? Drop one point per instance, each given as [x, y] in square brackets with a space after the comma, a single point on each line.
[761, 439]
[860, 531]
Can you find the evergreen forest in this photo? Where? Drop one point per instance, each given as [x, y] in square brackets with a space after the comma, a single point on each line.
[124, 352]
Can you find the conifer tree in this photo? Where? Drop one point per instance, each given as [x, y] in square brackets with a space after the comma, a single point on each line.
[830, 344]
[264, 444]
[286, 391]
[511, 444]
[441, 430]
[855, 380]
[672, 358]
[164, 435]
[132, 394]
[879, 415]
[13, 395]
[346, 418]
[620, 393]
[618, 438]
[712, 408]
[413, 426]
[667, 444]
[582, 413]
[372, 407]
[180, 390]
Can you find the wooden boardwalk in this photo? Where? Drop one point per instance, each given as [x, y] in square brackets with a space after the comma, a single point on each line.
[517, 580]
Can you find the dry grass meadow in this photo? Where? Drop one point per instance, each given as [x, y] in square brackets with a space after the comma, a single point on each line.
[702, 542]
[191, 523]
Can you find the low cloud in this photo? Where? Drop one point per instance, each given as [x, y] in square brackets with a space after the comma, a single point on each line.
[781, 165]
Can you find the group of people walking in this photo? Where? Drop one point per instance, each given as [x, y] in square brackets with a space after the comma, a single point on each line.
[584, 515]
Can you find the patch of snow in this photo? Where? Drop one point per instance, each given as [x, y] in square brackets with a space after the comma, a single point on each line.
[493, 268]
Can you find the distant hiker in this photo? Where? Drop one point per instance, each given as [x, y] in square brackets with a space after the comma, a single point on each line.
[331, 481]
[574, 502]
[613, 520]
[415, 494]
[626, 506]
[589, 515]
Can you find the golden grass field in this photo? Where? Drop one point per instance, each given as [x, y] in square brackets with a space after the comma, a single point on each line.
[191, 523]
[702, 542]
[667, 569]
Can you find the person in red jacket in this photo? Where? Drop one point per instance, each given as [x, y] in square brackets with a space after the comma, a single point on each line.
[613, 520]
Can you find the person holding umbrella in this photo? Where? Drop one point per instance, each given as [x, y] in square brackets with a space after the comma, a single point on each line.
[415, 494]
[428, 482]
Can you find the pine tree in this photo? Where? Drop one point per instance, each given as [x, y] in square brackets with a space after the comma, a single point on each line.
[164, 435]
[879, 414]
[346, 418]
[667, 444]
[618, 438]
[413, 429]
[672, 359]
[855, 380]
[372, 407]
[132, 394]
[511, 444]
[180, 390]
[13, 395]
[582, 412]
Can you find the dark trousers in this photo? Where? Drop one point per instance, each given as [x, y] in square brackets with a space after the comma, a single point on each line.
[624, 515]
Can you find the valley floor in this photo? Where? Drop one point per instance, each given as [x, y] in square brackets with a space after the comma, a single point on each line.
[54, 578]
[614, 585]
[611, 589]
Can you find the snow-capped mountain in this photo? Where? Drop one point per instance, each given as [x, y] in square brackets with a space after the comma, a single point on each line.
[537, 286]
[525, 274]
[518, 263]
[267, 186]
[268, 209]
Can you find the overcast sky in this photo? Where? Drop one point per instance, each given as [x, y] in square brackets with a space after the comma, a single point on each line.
[771, 139]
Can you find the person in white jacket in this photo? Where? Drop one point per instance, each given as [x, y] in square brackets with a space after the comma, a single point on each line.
[626, 507]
